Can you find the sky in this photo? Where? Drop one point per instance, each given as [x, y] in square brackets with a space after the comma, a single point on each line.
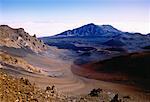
[50, 17]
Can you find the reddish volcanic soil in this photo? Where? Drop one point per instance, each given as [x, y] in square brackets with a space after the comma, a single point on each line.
[131, 69]
[89, 72]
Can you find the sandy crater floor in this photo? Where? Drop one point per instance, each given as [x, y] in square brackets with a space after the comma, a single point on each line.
[57, 71]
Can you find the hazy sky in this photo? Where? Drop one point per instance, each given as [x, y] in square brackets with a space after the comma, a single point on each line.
[49, 17]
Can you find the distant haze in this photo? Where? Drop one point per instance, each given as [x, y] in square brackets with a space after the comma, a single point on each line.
[49, 17]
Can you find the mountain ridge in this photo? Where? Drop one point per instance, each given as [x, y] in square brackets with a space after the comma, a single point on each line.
[100, 36]
[18, 38]
[92, 29]
[89, 30]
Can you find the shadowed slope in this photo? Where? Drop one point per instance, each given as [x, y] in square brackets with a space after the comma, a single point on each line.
[132, 69]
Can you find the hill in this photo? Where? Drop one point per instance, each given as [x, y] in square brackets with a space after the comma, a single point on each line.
[18, 38]
[131, 69]
[99, 36]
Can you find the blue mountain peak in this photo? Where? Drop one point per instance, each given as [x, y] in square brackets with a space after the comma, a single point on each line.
[91, 30]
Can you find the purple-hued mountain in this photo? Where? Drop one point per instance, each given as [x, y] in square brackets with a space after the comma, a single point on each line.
[91, 30]
[95, 30]
[99, 36]
[148, 34]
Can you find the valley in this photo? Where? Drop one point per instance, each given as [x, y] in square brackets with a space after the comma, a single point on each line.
[74, 63]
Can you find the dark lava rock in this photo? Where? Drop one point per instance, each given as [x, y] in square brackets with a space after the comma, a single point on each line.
[115, 99]
[95, 92]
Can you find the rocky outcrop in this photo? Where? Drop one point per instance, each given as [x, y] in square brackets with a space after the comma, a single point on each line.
[8, 60]
[22, 90]
[18, 38]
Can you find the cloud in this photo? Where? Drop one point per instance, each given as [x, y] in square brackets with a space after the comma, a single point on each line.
[48, 28]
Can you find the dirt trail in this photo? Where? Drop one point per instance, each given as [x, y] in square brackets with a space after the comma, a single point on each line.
[58, 72]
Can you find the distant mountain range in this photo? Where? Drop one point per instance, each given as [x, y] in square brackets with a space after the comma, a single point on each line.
[99, 36]
[93, 30]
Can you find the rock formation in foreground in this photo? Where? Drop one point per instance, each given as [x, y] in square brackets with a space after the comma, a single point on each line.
[21, 90]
